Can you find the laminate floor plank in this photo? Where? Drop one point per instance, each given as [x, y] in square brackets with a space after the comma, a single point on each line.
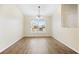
[38, 46]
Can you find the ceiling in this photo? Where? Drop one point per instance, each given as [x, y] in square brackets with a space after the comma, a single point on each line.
[32, 9]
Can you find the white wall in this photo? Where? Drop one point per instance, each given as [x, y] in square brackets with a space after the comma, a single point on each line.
[27, 26]
[68, 36]
[11, 25]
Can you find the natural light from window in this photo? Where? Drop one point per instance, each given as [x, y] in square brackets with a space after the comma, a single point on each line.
[38, 25]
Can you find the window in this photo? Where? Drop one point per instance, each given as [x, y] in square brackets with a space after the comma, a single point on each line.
[38, 25]
[69, 14]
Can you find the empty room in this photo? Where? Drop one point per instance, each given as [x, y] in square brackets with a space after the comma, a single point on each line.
[39, 29]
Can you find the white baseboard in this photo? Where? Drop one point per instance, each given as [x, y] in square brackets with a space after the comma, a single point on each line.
[35, 36]
[66, 44]
[10, 45]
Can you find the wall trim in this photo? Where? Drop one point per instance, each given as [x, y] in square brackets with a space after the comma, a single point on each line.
[10, 45]
[36, 36]
[65, 44]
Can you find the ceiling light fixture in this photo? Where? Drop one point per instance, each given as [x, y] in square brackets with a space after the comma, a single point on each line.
[38, 15]
[39, 11]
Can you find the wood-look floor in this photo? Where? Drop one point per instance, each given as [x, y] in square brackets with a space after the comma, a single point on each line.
[38, 46]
